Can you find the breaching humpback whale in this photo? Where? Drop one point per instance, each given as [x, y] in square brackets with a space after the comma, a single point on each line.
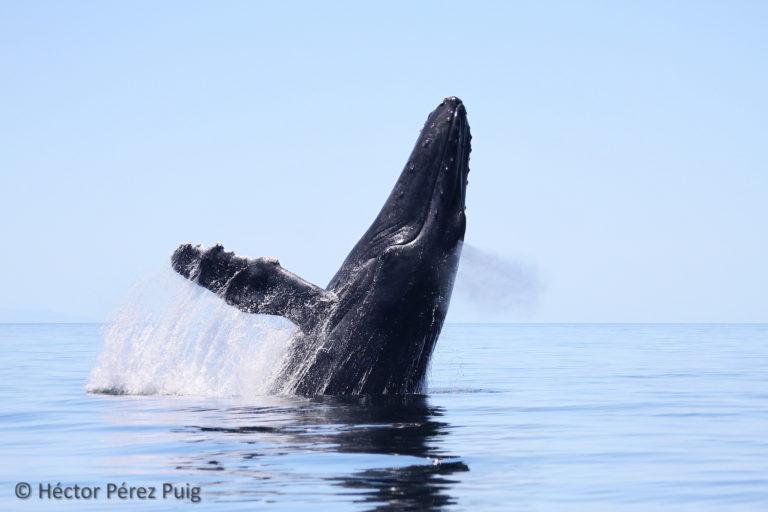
[373, 328]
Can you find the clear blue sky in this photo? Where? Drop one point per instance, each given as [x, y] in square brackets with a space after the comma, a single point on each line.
[621, 148]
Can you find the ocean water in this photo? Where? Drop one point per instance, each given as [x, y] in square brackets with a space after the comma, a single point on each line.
[516, 417]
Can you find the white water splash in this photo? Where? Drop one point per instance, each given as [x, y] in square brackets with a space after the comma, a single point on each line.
[173, 337]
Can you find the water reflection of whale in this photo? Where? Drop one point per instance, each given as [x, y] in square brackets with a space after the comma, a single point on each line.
[380, 425]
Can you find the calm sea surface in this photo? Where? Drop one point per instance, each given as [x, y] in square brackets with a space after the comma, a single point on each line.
[518, 417]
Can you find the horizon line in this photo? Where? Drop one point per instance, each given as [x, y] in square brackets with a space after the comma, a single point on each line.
[472, 323]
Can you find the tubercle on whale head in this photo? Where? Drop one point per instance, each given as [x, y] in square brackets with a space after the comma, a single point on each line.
[442, 151]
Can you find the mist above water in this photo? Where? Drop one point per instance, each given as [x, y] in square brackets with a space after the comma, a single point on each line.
[490, 287]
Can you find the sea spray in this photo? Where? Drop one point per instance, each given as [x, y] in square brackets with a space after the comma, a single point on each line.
[171, 336]
[492, 288]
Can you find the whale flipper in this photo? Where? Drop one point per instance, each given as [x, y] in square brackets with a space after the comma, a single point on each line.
[258, 285]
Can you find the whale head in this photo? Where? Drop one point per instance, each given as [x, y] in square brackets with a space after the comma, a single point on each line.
[427, 204]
